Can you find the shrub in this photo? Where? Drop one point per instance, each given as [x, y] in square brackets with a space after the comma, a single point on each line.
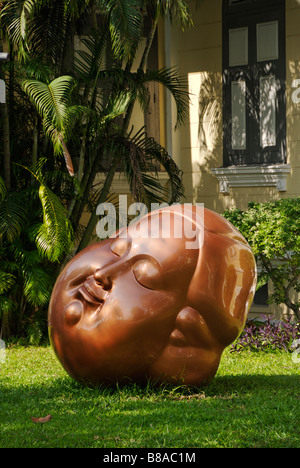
[268, 335]
[272, 230]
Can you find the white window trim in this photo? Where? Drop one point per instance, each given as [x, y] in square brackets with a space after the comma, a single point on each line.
[252, 176]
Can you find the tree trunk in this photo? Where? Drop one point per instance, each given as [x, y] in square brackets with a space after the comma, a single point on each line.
[288, 302]
[5, 326]
[102, 198]
[6, 149]
[77, 205]
[35, 143]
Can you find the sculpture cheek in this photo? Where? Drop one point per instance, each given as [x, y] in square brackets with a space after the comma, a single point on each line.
[73, 312]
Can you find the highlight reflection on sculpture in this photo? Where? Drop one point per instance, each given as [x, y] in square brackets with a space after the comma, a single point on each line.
[164, 307]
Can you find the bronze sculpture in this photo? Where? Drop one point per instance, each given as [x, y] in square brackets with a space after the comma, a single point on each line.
[162, 307]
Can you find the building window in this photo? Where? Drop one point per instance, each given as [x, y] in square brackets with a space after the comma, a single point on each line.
[261, 296]
[254, 107]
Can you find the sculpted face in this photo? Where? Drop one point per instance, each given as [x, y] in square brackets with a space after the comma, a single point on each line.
[152, 303]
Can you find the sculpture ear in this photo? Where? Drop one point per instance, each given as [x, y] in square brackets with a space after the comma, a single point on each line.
[222, 287]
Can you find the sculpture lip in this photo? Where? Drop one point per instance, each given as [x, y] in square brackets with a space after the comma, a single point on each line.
[91, 296]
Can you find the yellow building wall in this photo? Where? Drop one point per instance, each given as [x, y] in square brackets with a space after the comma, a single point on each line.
[293, 107]
[198, 147]
[200, 59]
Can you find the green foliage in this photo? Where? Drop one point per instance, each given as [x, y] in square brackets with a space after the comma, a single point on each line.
[171, 79]
[52, 103]
[15, 15]
[273, 232]
[55, 235]
[7, 280]
[30, 252]
[69, 115]
[177, 10]
[125, 24]
[12, 216]
[141, 153]
[272, 228]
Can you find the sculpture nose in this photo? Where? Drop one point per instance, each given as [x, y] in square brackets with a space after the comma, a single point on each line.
[103, 279]
[105, 275]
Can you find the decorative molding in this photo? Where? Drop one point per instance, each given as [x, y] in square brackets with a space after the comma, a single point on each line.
[252, 176]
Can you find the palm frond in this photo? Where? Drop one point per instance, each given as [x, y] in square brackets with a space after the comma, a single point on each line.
[55, 235]
[175, 83]
[47, 28]
[60, 182]
[117, 105]
[158, 154]
[177, 10]
[7, 265]
[134, 163]
[14, 18]
[51, 101]
[7, 305]
[37, 285]
[34, 332]
[75, 8]
[7, 280]
[33, 68]
[141, 157]
[12, 217]
[67, 156]
[126, 24]
[136, 84]
[89, 61]
[23, 256]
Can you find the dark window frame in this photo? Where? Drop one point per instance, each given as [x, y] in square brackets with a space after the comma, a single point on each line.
[261, 296]
[248, 13]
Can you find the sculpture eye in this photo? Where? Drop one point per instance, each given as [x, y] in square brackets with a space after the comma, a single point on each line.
[148, 274]
[120, 247]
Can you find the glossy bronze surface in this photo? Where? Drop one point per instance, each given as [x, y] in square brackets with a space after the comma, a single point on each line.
[154, 305]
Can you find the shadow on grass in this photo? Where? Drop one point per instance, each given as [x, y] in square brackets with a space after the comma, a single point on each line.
[256, 383]
[258, 410]
[220, 386]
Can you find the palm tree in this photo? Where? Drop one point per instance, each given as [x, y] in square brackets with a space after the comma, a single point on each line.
[38, 27]
[125, 38]
[52, 93]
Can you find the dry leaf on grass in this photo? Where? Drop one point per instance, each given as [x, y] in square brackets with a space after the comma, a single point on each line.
[42, 420]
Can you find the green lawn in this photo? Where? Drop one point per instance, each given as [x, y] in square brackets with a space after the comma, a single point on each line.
[254, 401]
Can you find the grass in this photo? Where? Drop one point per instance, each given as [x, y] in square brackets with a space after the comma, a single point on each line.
[254, 401]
